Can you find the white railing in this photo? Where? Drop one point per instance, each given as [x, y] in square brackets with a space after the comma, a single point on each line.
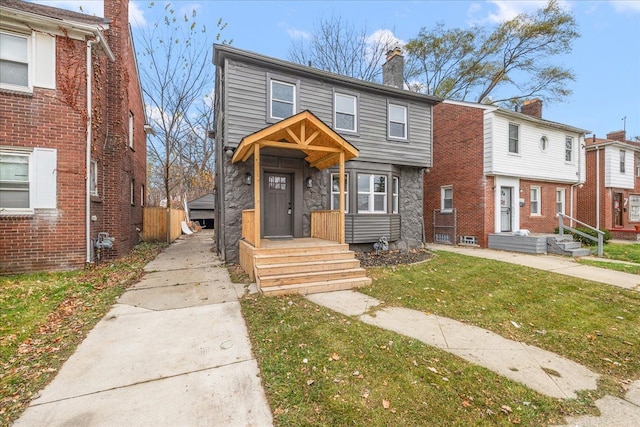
[599, 239]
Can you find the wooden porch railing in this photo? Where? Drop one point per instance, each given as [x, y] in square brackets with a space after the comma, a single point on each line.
[248, 226]
[326, 225]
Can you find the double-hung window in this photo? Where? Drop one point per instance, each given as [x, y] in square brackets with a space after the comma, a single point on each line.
[395, 187]
[93, 178]
[623, 154]
[335, 192]
[282, 102]
[346, 112]
[534, 201]
[560, 193]
[568, 149]
[27, 180]
[446, 198]
[397, 115]
[513, 138]
[131, 122]
[14, 61]
[14, 181]
[372, 193]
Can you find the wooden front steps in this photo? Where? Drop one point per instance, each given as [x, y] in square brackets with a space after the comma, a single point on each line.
[305, 266]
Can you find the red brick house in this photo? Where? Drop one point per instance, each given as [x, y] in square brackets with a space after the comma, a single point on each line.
[610, 198]
[497, 171]
[71, 165]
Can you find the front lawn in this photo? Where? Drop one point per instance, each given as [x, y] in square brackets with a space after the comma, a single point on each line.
[623, 252]
[46, 315]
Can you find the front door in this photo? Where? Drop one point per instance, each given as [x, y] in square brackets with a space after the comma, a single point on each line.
[617, 209]
[278, 211]
[505, 208]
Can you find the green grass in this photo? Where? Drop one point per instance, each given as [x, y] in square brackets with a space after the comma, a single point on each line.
[623, 252]
[46, 315]
[594, 324]
[320, 368]
[625, 268]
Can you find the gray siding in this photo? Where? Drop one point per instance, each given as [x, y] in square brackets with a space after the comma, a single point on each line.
[369, 228]
[246, 113]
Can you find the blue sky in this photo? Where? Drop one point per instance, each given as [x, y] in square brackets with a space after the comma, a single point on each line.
[605, 59]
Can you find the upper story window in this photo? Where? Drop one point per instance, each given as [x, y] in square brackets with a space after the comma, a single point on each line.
[534, 201]
[14, 61]
[93, 178]
[282, 101]
[514, 146]
[623, 154]
[130, 129]
[335, 192]
[446, 198]
[346, 108]
[638, 166]
[397, 121]
[568, 149]
[544, 143]
[372, 193]
[133, 200]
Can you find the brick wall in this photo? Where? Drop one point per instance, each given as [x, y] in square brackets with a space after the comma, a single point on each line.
[458, 160]
[547, 221]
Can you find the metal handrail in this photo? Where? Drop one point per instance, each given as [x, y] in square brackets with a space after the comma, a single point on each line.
[599, 239]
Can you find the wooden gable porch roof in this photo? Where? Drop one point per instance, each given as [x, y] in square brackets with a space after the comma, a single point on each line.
[304, 132]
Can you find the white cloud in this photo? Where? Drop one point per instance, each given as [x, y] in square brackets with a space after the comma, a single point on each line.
[621, 6]
[96, 8]
[294, 33]
[504, 10]
[384, 37]
[136, 15]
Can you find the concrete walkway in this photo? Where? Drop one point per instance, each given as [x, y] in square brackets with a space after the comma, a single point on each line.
[173, 351]
[554, 263]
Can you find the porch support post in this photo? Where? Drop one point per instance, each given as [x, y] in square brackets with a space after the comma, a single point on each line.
[341, 223]
[256, 195]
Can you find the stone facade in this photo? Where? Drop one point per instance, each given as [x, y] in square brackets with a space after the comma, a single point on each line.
[410, 207]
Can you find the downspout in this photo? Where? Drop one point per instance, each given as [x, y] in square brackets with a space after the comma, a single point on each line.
[578, 182]
[88, 156]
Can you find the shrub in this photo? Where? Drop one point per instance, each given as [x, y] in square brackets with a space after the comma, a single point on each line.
[585, 241]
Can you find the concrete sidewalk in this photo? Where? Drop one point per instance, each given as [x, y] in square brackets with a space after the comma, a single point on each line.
[173, 351]
[554, 263]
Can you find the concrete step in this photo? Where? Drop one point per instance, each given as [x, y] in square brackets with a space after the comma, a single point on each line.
[308, 255]
[264, 270]
[310, 277]
[317, 287]
[580, 252]
[568, 246]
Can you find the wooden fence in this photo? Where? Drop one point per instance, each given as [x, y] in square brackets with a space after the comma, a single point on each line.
[154, 224]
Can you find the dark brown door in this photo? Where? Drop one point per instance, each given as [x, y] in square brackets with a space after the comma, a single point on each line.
[278, 211]
[617, 209]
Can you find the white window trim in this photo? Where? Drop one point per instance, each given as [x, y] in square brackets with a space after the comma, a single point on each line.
[569, 151]
[30, 64]
[131, 128]
[563, 200]
[42, 179]
[346, 192]
[538, 200]
[395, 195]
[406, 121]
[517, 139]
[623, 161]
[442, 198]
[371, 194]
[93, 175]
[285, 81]
[355, 111]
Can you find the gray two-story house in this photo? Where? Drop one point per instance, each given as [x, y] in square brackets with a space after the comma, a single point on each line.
[305, 157]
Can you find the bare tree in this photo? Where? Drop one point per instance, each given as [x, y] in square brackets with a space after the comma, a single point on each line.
[338, 46]
[509, 64]
[177, 75]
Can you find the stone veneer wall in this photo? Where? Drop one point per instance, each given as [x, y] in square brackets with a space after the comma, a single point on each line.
[410, 207]
[237, 196]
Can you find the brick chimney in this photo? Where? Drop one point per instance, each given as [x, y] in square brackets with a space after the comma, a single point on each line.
[532, 107]
[393, 69]
[618, 135]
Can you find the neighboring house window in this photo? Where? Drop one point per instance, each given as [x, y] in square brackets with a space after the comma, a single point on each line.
[93, 177]
[446, 198]
[535, 201]
[513, 138]
[142, 195]
[372, 193]
[335, 192]
[397, 121]
[560, 200]
[395, 186]
[283, 99]
[623, 154]
[638, 166]
[568, 149]
[346, 108]
[634, 208]
[14, 61]
[544, 143]
[131, 193]
[27, 180]
[130, 129]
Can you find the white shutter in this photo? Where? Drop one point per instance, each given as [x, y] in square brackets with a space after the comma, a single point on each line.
[45, 61]
[44, 178]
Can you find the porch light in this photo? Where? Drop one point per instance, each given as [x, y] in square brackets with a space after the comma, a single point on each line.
[247, 178]
[309, 182]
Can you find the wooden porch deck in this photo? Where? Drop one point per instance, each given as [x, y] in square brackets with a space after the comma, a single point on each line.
[302, 266]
